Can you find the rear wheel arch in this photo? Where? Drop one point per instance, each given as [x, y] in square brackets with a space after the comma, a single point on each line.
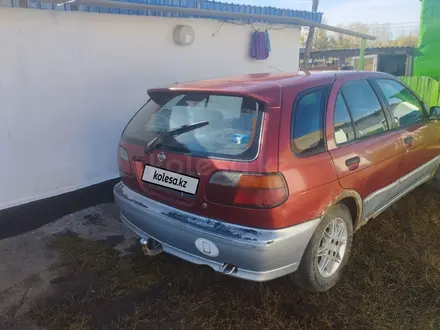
[353, 201]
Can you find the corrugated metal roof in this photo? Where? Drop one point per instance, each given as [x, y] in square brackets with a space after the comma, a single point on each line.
[350, 52]
[204, 4]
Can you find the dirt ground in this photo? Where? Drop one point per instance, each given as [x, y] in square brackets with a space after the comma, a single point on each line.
[85, 271]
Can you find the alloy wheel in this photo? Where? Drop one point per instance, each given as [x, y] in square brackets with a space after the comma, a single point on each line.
[332, 247]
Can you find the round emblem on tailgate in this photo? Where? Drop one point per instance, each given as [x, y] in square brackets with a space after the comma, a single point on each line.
[207, 247]
[161, 156]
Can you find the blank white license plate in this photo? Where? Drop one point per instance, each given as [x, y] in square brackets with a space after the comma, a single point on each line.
[170, 179]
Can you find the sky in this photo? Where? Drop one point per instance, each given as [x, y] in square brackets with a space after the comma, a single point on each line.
[340, 12]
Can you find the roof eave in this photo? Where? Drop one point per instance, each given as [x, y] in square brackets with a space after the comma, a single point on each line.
[218, 13]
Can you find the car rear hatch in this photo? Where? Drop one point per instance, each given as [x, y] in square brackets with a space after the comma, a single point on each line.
[188, 148]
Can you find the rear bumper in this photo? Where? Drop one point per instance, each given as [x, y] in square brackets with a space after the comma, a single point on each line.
[257, 254]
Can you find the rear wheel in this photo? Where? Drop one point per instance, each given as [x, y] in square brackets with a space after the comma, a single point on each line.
[327, 252]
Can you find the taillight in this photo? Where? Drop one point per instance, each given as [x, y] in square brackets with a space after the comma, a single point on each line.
[123, 154]
[123, 162]
[247, 189]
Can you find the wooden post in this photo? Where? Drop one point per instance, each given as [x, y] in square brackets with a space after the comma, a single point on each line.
[408, 66]
[309, 41]
[362, 55]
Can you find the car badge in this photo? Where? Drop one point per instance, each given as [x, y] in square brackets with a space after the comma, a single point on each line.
[161, 156]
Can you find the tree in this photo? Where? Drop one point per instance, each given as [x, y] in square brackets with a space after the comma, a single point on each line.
[412, 41]
[310, 37]
[323, 40]
[383, 33]
[346, 41]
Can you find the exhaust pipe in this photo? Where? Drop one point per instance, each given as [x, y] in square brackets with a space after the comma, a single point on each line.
[229, 268]
[150, 247]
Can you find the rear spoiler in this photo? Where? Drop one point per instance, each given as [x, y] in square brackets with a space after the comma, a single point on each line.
[270, 96]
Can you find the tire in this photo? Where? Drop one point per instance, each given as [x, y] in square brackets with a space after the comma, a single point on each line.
[312, 274]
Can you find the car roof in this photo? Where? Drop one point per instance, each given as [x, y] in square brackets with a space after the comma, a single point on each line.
[266, 87]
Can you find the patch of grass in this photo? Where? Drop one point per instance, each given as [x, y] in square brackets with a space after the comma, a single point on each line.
[392, 281]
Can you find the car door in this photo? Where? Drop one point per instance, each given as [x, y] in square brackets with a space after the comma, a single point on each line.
[366, 153]
[419, 135]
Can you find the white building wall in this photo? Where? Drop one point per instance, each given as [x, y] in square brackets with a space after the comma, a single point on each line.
[69, 81]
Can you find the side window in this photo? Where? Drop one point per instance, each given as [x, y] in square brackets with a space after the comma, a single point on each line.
[344, 131]
[308, 122]
[366, 111]
[404, 105]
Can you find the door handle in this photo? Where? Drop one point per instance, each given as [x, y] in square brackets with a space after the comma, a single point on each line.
[408, 141]
[353, 163]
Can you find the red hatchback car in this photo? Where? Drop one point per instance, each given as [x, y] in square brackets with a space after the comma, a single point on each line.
[266, 175]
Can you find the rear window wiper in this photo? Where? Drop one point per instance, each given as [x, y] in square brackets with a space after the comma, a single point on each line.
[173, 132]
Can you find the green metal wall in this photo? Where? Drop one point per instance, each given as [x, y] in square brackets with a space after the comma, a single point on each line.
[427, 60]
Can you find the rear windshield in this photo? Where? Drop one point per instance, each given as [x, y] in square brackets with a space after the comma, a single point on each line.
[232, 130]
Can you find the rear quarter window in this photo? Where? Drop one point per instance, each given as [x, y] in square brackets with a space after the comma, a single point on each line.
[307, 132]
[343, 125]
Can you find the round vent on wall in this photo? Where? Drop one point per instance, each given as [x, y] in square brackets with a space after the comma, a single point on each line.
[183, 35]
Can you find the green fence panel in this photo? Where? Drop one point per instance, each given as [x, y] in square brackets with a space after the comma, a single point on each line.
[435, 93]
[426, 87]
[429, 92]
[414, 83]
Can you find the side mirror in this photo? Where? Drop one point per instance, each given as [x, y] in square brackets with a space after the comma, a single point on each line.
[434, 112]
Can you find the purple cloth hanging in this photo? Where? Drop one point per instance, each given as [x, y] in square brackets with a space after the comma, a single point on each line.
[259, 46]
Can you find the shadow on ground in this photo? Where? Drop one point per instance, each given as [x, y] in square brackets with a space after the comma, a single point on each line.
[392, 281]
